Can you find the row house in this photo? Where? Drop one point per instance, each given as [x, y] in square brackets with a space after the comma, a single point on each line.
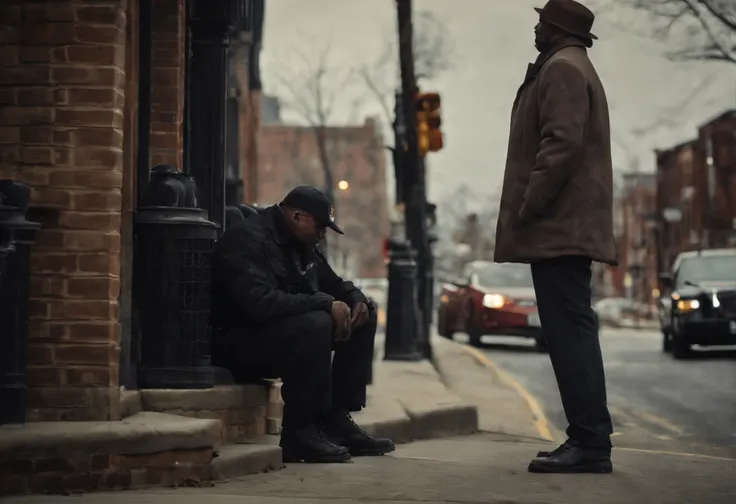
[635, 277]
[696, 191]
[93, 94]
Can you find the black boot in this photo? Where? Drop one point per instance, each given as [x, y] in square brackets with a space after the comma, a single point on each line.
[308, 444]
[564, 446]
[574, 459]
[340, 428]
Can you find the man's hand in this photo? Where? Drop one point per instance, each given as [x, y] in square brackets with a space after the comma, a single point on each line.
[341, 319]
[360, 315]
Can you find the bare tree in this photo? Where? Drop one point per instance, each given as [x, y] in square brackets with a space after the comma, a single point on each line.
[697, 29]
[433, 54]
[309, 87]
[465, 217]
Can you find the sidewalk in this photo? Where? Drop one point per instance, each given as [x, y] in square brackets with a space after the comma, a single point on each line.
[410, 401]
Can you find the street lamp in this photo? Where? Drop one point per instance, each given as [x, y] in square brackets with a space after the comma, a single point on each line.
[343, 185]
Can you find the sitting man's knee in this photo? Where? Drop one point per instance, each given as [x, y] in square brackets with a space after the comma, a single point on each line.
[372, 321]
[318, 322]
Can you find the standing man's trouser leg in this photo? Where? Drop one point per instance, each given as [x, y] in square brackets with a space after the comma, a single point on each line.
[570, 329]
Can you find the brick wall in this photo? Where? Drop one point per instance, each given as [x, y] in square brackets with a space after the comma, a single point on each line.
[720, 132]
[288, 156]
[61, 97]
[167, 82]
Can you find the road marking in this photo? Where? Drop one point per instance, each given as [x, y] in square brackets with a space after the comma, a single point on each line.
[676, 454]
[660, 422]
[540, 419]
[620, 416]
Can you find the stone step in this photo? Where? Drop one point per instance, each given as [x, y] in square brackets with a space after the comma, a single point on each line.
[242, 459]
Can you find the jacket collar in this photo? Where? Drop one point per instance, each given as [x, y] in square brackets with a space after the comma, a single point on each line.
[280, 229]
[533, 69]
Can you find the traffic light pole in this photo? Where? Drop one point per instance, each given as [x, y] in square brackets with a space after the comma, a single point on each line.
[414, 188]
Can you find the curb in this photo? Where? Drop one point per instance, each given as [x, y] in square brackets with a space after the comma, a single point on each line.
[542, 424]
[409, 401]
[447, 421]
[429, 423]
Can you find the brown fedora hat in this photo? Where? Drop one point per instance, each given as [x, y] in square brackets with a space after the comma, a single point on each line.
[568, 15]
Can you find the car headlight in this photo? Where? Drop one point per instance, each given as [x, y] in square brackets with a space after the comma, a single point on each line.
[686, 305]
[493, 300]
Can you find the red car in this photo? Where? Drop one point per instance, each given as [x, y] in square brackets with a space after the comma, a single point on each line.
[490, 298]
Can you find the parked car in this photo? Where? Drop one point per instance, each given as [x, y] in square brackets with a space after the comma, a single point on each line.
[611, 311]
[698, 305]
[490, 299]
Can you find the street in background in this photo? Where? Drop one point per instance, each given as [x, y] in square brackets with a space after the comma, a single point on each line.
[490, 298]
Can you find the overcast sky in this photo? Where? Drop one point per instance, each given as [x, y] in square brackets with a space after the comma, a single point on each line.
[493, 41]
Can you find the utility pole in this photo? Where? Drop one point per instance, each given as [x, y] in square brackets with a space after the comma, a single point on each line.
[711, 181]
[414, 186]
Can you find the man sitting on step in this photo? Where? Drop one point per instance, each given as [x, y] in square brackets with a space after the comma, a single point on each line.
[278, 309]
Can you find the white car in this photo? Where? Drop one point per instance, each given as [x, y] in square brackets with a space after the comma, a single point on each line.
[613, 310]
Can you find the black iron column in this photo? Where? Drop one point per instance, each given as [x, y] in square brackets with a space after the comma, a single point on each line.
[16, 237]
[402, 323]
[414, 188]
[206, 101]
[399, 147]
[430, 274]
[173, 248]
[233, 182]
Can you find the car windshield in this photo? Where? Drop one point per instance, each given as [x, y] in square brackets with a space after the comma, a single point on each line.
[505, 275]
[707, 269]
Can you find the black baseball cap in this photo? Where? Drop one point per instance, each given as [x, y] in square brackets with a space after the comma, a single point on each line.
[314, 202]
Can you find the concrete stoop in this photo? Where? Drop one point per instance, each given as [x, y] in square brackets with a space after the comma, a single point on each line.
[242, 459]
[145, 449]
[166, 437]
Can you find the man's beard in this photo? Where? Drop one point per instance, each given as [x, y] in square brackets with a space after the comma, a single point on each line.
[540, 44]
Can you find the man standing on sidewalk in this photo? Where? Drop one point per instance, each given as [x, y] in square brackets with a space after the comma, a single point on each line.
[556, 213]
[279, 310]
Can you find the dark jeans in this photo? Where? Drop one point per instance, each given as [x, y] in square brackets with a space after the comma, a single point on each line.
[563, 290]
[299, 351]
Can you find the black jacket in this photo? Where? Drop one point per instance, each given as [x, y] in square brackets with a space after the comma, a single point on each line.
[261, 274]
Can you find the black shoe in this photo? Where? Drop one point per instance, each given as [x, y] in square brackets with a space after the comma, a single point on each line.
[308, 445]
[574, 459]
[340, 428]
[564, 446]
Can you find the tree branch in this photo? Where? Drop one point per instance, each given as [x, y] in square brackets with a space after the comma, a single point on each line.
[433, 55]
[710, 26]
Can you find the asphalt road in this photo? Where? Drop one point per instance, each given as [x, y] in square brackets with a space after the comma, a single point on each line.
[657, 403]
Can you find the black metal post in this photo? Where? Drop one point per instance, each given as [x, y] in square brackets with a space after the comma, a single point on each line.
[413, 168]
[233, 182]
[402, 323]
[206, 101]
[399, 147]
[16, 237]
[173, 246]
[430, 274]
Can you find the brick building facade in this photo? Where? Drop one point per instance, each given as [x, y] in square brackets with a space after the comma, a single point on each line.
[696, 184]
[687, 203]
[637, 241]
[288, 156]
[92, 94]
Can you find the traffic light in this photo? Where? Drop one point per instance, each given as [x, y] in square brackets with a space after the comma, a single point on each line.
[429, 136]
